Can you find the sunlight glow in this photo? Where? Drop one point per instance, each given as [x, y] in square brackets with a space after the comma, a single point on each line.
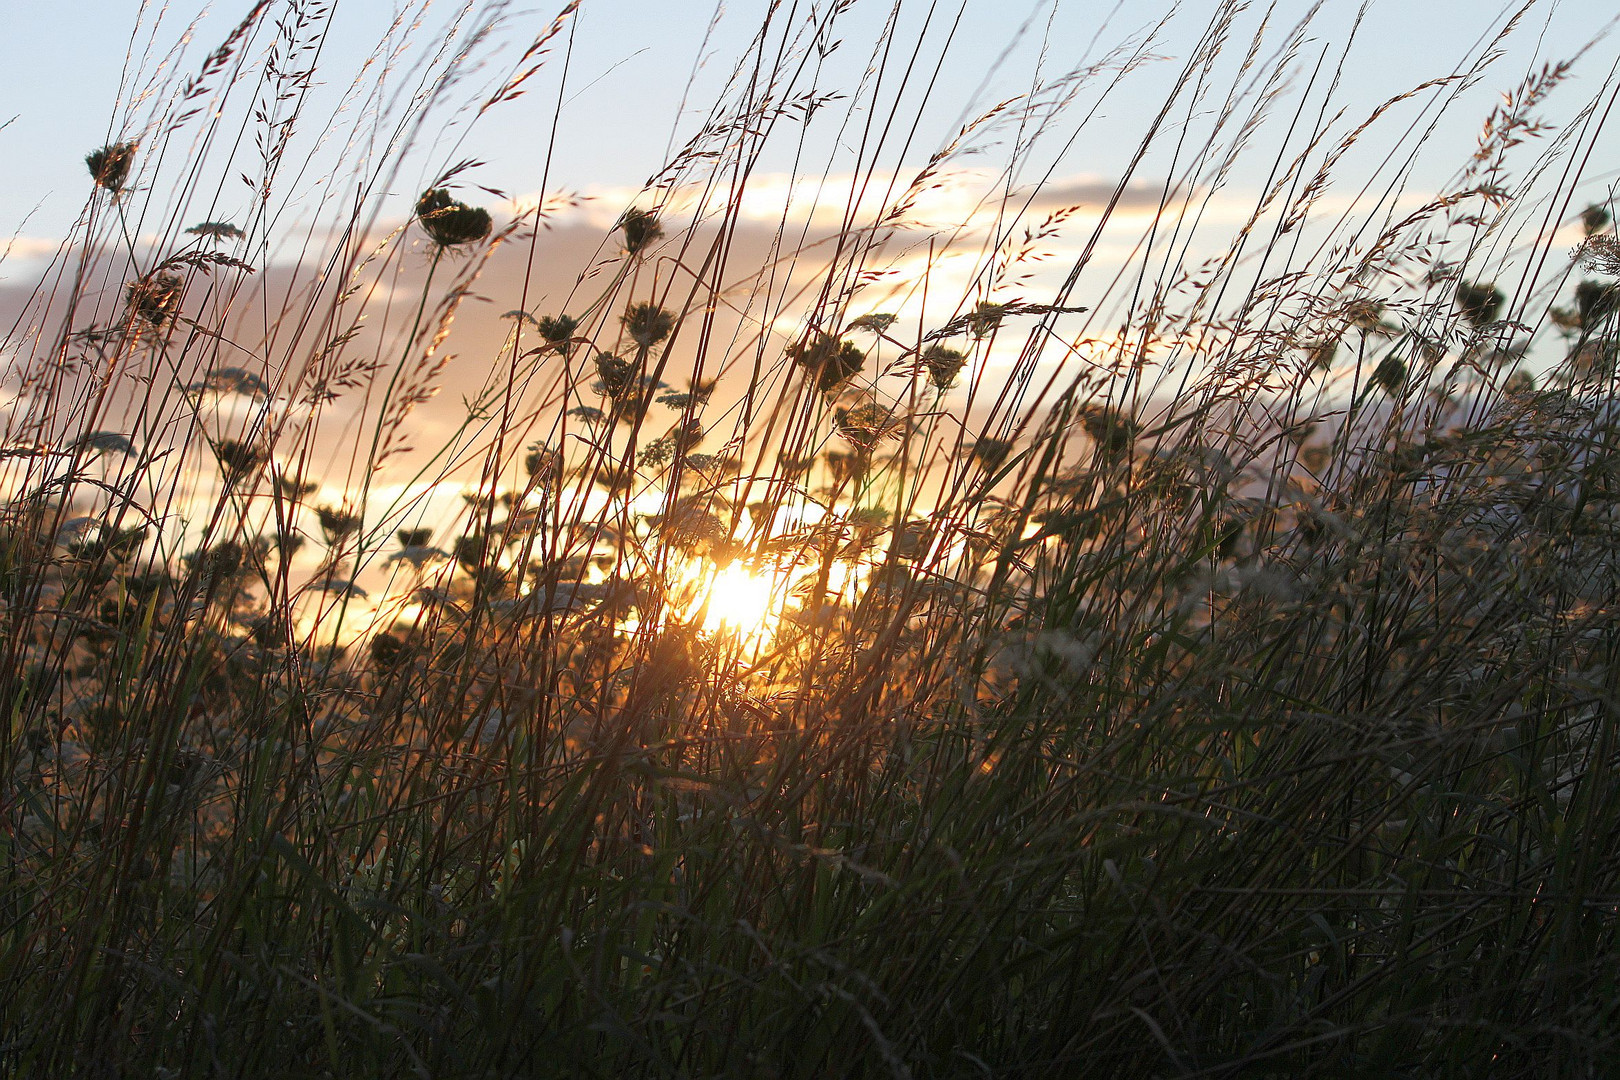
[738, 600]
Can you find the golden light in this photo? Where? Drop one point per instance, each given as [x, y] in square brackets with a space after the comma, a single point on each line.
[740, 601]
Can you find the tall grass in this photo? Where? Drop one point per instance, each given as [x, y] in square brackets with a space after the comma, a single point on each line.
[1200, 663]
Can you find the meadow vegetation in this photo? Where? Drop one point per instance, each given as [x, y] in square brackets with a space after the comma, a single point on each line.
[830, 663]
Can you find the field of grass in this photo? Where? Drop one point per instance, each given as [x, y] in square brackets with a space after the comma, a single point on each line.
[1181, 644]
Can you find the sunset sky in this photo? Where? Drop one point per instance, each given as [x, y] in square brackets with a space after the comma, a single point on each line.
[631, 61]
[629, 81]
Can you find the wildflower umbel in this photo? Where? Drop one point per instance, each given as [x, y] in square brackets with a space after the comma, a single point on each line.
[1390, 375]
[155, 298]
[943, 364]
[557, 330]
[1595, 218]
[109, 166]
[647, 324]
[448, 222]
[617, 375]
[216, 230]
[640, 229]
[238, 459]
[1596, 300]
[1478, 304]
[868, 424]
[831, 361]
[337, 523]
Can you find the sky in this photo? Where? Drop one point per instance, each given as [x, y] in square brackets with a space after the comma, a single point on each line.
[631, 60]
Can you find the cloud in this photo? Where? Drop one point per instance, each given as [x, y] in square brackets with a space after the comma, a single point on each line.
[1093, 193]
[28, 249]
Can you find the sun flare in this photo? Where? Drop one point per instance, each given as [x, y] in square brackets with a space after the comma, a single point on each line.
[740, 601]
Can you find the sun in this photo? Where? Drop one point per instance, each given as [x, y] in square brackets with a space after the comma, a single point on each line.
[739, 601]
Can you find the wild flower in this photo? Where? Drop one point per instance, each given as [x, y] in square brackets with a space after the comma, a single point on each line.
[868, 424]
[1596, 301]
[618, 377]
[1478, 304]
[226, 559]
[471, 549]
[845, 467]
[216, 230]
[1319, 355]
[1519, 383]
[337, 523]
[647, 324]
[943, 364]
[450, 223]
[990, 453]
[541, 462]
[1363, 313]
[238, 459]
[830, 362]
[418, 555]
[589, 414]
[877, 322]
[640, 228]
[1390, 375]
[1594, 219]
[1600, 252]
[390, 651]
[344, 588]
[155, 298]
[108, 441]
[231, 380]
[557, 331]
[1112, 432]
[713, 465]
[689, 528]
[109, 167]
[685, 435]
[290, 486]
[985, 318]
